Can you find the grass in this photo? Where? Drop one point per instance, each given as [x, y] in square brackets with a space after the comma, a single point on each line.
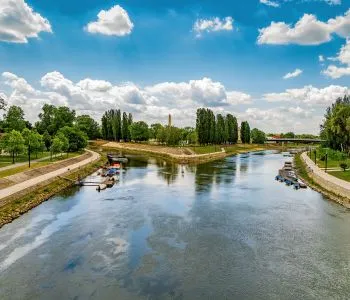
[35, 165]
[341, 175]
[7, 159]
[238, 148]
[20, 204]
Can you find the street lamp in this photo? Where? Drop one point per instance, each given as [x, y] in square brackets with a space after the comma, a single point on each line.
[29, 152]
[326, 159]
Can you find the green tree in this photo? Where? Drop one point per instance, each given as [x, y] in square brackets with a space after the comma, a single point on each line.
[221, 131]
[33, 141]
[14, 119]
[2, 103]
[258, 136]
[232, 128]
[154, 130]
[47, 140]
[14, 143]
[139, 131]
[77, 139]
[125, 127]
[65, 142]
[245, 132]
[56, 146]
[88, 125]
[173, 135]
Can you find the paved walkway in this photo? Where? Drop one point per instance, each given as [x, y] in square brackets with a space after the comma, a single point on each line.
[32, 182]
[23, 163]
[327, 181]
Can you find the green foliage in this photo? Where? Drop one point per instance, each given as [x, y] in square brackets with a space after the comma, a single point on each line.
[344, 166]
[113, 128]
[336, 126]
[14, 119]
[64, 141]
[88, 125]
[77, 139]
[221, 132]
[232, 129]
[139, 131]
[33, 141]
[56, 146]
[47, 140]
[245, 132]
[2, 103]
[154, 130]
[258, 136]
[13, 143]
[288, 135]
[53, 118]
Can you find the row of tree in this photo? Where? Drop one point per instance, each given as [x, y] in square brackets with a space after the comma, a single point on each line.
[216, 130]
[115, 127]
[336, 126]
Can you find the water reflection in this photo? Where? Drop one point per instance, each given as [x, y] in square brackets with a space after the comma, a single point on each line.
[222, 230]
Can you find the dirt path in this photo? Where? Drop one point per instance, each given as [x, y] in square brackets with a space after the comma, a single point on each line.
[92, 156]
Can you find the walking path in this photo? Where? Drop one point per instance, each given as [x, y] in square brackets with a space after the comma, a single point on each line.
[327, 181]
[32, 182]
[23, 163]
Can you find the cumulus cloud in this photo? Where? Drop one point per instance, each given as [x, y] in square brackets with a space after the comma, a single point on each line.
[307, 31]
[343, 57]
[151, 103]
[114, 21]
[18, 22]
[309, 95]
[212, 25]
[270, 3]
[321, 58]
[293, 74]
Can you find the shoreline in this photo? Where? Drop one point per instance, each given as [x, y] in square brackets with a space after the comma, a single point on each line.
[21, 203]
[182, 158]
[301, 169]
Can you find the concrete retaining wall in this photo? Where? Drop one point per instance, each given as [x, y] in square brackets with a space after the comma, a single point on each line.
[328, 182]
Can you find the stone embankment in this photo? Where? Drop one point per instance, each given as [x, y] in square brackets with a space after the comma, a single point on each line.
[328, 182]
[180, 155]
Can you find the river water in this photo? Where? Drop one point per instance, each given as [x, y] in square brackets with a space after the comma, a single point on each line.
[222, 230]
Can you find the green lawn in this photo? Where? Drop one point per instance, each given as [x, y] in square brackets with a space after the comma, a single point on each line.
[7, 159]
[228, 148]
[45, 162]
[331, 162]
[341, 175]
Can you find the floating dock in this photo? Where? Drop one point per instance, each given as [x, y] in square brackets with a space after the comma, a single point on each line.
[287, 175]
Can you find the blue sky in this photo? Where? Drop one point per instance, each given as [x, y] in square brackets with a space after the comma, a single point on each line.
[179, 43]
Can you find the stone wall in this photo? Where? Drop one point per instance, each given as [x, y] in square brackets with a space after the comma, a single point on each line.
[326, 181]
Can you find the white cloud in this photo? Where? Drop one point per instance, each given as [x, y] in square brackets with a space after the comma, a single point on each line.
[307, 31]
[151, 103]
[343, 57]
[270, 3]
[114, 21]
[18, 22]
[212, 25]
[293, 74]
[321, 58]
[309, 95]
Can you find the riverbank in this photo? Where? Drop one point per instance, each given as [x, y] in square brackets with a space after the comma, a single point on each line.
[20, 203]
[185, 155]
[311, 181]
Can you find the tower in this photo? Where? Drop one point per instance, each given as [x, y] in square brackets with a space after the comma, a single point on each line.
[169, 121]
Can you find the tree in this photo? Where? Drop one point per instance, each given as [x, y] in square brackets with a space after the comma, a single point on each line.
[344, 166]
[258, 136]
[288, 135]
[47, 140]
[125, 127]
[77, 139]
[56, 146]
[130, 121]
[65, 142]
[221, 132]
[14, 119]
[173, 135]
[154, 130]
[232, 128]
[139, 131]
[32, 141]
[14, 143]
[245, 132]
[336, 126]
[88, 125]
[2, 103]
[53, 118]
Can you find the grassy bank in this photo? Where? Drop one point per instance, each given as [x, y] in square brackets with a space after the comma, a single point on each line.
[341, 175]
[303, 174]
[28, 199]
[35, 165]
[6, 160]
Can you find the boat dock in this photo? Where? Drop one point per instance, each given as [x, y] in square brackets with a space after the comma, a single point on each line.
[288, 175]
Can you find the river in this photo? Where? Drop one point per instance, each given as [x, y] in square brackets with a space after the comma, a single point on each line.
[221, 230]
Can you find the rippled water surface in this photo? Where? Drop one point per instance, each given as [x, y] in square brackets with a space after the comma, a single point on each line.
[223, 230]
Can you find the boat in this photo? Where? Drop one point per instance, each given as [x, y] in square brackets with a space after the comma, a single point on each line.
[115, 158]
[287, 175]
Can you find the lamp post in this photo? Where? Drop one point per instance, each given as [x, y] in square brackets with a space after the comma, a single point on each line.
[326, 160]
[315, 152]
[29, 153]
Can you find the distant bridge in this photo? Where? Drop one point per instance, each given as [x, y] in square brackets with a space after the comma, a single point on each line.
[294, 140]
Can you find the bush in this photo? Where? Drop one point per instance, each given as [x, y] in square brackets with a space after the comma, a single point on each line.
[344, 166]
